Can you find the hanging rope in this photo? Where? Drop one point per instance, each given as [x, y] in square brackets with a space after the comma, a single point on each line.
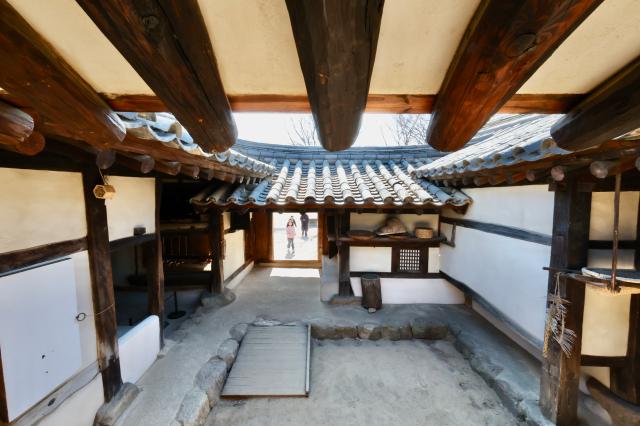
[613, 287]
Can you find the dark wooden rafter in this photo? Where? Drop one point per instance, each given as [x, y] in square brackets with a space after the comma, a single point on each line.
[167, 43]
[37, 73]
[504, 44]
[17, 131]
[30, 256]
[400, 104]
[102, 286]
[336, 42]
[609, 111]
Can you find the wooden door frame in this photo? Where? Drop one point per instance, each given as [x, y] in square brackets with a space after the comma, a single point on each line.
[317, 263]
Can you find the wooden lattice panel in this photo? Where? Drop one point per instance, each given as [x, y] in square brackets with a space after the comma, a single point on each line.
[409, 260]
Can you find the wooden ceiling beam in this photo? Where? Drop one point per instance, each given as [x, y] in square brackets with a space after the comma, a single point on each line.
[396, 104]
[336, 42]
[611, 110]
[167, 43]
[32, 70]
[504, 44]
[17, 132]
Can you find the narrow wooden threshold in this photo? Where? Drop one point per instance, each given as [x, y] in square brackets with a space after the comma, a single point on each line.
[272, 362]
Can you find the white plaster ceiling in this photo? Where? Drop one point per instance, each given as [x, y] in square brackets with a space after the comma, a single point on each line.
[605, 42]
[65, 25]
[256, 52]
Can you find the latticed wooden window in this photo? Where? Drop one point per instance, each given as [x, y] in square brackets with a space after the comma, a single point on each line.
[409, 260]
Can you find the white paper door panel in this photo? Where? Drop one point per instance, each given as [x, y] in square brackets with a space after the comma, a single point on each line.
[39, 335]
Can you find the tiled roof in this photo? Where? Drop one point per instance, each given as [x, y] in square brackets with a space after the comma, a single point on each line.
[164, 128]
[527, 138]
[325, 180]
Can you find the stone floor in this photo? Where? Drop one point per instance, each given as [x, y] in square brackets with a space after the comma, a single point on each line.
[280, 294]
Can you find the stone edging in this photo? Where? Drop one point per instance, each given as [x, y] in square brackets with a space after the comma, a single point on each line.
[205, 392]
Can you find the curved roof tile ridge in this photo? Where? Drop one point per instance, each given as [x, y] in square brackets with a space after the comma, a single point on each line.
[526, 139]
[164, 128]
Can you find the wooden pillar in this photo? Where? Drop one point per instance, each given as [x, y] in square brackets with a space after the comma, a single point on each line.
[216, 240]
[155, 269]
[249, 240]
[344, 279]
[102, 286]
[569, 250]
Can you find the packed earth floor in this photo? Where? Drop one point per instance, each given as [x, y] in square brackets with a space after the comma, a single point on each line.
[410, 382]
[475, 376]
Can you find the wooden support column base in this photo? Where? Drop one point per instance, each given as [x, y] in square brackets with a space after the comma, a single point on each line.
[561, 373]
[344, 276]
[111, 378]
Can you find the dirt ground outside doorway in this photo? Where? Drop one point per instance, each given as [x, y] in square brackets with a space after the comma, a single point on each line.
[305, 246]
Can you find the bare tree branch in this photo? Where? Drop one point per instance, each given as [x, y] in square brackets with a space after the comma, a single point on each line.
[303, 132]
[409, 129]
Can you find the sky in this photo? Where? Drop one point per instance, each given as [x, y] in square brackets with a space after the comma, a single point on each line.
[275, 128]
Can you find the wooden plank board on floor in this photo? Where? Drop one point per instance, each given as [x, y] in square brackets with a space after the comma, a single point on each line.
[271, 361]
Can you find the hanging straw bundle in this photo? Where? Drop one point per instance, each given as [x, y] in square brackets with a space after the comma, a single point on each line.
[555, 327]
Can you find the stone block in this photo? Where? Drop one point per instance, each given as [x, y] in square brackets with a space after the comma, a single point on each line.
[396, 331]
[423, 328]
[211, 378]
[228, 351]
[109, 413]
[194, 408]
[370, 331]
[238, 331]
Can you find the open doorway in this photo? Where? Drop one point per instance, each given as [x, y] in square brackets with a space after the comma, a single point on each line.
[298, 242]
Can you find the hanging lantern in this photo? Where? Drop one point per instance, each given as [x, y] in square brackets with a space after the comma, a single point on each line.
[104, 192]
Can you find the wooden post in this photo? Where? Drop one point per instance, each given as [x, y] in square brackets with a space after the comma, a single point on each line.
[344, 279]
[155, 269]
[569, 249]
[216, 239]
[102, 286]
[263, 236]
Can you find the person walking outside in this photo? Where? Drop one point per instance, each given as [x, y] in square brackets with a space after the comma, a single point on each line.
[291, 234]
[304, 224]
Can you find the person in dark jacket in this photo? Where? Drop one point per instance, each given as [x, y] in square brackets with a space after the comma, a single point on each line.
[304, 224]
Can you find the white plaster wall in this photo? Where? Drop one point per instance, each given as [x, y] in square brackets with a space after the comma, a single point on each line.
[528, 207]
[133, 205]
[234, 254]
[80, 408]
[602, 216]
[138, 348]
[40, 207]
[414, 290]
[506, 272]
[606, 317]
[605, 323]
[329, 278]
[240, 277]
[370, 259]
[372, 221]
[84, 301]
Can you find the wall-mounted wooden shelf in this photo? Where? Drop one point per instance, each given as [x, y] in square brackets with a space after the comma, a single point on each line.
[390, 242]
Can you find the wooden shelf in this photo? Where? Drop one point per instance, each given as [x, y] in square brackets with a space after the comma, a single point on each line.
[391, 242]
